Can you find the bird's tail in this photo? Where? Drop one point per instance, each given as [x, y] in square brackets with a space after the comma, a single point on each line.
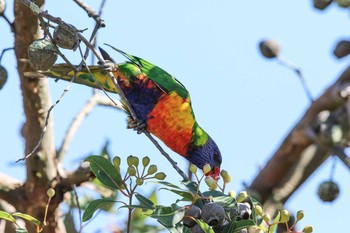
[92, 76]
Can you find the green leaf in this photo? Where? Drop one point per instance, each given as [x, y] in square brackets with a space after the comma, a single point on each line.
[229, 228]
[93, 206]
[145, 201]
[274, 222]
[167, 216]
[187, 195]
[167, 184]
[178, 228]
[105, 171]
[27, 217]
[7, 216]
[225, 201]
[191, 186]
[213, 193]
[243, 224]
[205, 227]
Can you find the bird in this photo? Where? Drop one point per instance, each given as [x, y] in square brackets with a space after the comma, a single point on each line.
[161, 103]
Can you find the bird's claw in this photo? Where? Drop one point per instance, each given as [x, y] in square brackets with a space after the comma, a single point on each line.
[137, 125]
[108, 66]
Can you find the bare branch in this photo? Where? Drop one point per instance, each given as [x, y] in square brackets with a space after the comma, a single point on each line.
[96, 99]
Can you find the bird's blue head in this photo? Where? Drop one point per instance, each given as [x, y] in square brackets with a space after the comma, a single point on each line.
[208, 153]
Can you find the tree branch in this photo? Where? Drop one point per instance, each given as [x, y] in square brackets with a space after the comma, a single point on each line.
[300, 154]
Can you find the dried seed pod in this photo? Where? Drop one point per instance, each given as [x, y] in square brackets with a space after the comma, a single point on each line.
[65, 38]
[244, 210]
[328, 191]
[42, 54]
[3, 76]
[269, 48]
[322, 4]
[213, 214]
[342, 49]
[192, 212]
[343, 3]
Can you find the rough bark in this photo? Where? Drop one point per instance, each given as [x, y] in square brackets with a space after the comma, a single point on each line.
[302, 151]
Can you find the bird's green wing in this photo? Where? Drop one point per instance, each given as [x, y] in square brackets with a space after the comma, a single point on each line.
[163, 79]
[96, 79]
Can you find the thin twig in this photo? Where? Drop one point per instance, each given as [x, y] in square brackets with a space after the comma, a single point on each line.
[12, 26]
[298, 71]
[79, 208]
[126, 102]
[3, 52]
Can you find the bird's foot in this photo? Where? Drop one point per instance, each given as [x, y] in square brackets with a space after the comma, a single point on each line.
[108, 66]
[137, 125]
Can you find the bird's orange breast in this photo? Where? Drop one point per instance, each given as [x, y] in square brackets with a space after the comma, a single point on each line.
[172, 120]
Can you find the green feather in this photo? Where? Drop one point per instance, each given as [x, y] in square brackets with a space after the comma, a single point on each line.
[163, 79]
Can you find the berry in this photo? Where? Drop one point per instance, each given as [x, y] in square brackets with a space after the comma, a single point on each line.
[192, 212]
[328, 191]
[213, 214]
[3, 76]
[42, 54]
[269, 48]
[65, 38]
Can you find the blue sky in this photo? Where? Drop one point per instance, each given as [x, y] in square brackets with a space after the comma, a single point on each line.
[246, 103]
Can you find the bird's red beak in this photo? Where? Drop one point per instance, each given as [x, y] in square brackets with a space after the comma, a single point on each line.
[214, 173]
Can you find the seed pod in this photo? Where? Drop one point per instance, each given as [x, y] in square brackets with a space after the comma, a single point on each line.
[145, 161]
[160, 176]
[244, 210]
[206, 168]
[258, 210]
[308, 229]
[50, 192]
[131, 170]
[322, 4]
[242, 196]
[116, 161]
[139, 181]
[3, 76]
[232, 194]
[213, 214]
[266, 218]
[269, 48]
[193, 168]
[152, 169]
[212, 184]
[343, 3]
[41, 54]
[2, 6]
[284, 216]
[225, 176]
[342, 49]
[192, 212]
[328, 191]
[300, 215]
[65, 38]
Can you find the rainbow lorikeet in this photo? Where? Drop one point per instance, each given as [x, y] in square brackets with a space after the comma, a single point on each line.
[159, 100]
